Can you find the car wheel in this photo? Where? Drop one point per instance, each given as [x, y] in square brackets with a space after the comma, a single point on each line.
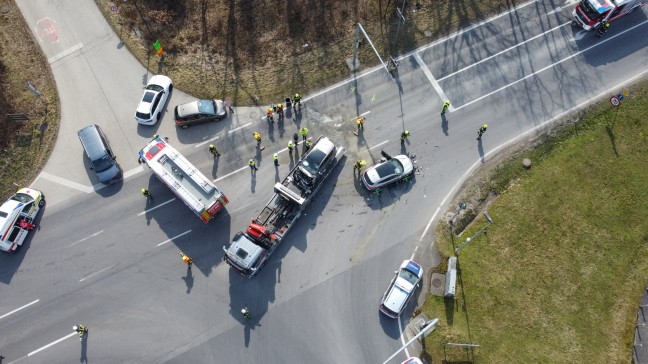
[41, 203]
[158, 117]
[184, 126]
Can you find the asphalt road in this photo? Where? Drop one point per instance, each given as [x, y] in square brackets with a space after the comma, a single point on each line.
[108, 259]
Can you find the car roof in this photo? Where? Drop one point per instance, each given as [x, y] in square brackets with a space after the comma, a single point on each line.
[91, 141]
[195, 107]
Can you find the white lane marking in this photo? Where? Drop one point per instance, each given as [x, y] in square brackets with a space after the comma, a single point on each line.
[407, 55]
[377, 145]
[239, 128]
[504, 51]
[414, 253]
[52, 343]
[158, 206]
[133, 171]
[66, 182]
[18, 309]
[551, 65]
[432, 80]
[66, 52]
[175, 237]
[400, 325]
[229, 174]
[95, 273]
[84, 239]
[478, 162]
[206, 141]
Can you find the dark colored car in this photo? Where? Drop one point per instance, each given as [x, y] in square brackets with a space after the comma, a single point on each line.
[199, 111]
[102, 159]
[315, 163]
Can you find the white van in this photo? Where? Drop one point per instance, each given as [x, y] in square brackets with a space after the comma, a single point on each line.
[17, 216]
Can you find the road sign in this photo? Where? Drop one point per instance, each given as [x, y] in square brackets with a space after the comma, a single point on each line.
[615, 101]
[46, 29]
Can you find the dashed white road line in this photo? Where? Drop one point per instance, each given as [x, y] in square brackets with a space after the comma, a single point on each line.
[133, 172]
[84, 239]
[239, 128]
[206, 141]
[156, 207]
[66, 52]
[175, 237]
[95, 273]
[52, 343]
[379, 144]
[19, 308]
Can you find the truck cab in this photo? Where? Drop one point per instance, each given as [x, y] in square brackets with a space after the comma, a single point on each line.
[244, 255]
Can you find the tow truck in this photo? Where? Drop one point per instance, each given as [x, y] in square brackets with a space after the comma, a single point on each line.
[590, 14]
[183, 178]
[250, 250]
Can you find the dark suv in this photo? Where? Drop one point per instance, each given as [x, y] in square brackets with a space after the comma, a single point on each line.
[102, 160]
[315, 163]
[199, 111]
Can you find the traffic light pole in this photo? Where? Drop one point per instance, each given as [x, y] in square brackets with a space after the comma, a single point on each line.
[427, 327]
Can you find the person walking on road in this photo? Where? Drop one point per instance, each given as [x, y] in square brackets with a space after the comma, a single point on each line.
[275, 158]
[147, 194]
[213, 151]
[81, 330]
[186, 259]
[359, 164]
[481, 131]
[303, 132]
[280, 111]
[253, 167]
[297, 101]
[404, 136]
[291, 146]
[446, 105]
[257, 137]
[360, 121]
[269, 115]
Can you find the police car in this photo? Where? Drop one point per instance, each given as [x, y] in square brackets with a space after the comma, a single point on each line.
[17, 216]
[402, 287]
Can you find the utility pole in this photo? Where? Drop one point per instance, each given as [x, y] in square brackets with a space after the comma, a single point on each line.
[360, 28]
[425, 328]
[481, 231]
[401, 19]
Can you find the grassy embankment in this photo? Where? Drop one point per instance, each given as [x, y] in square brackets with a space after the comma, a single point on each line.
[559, 276]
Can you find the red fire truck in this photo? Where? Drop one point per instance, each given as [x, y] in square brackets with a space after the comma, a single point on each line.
[590, 14]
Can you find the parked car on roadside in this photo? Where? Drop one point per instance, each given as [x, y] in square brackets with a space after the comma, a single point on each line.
[156, 95]
[407, 278]
[199, 111]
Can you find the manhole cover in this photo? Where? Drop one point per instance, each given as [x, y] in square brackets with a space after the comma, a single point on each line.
[436, 283]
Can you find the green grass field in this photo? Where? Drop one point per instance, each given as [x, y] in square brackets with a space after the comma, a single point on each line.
[559, 276]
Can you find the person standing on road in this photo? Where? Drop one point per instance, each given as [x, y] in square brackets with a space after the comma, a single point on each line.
[81, 330]
[446, 105]
[359, 164]
[253, 167]
[296, 138]
[257, 137]
[291, 146]
[303, 132]
[404, 136]
[309, 145]
[186, 259]
[481, 131]
[269, 115]
[275, 158]
[147, 194]
[602, 29]
[360, 121]
[297, 101]
[213, 151]
[246, 313]
[280, 111]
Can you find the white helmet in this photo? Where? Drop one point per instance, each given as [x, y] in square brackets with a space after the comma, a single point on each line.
[75, 327]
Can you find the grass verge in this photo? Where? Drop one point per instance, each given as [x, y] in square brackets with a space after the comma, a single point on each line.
[24, 146]
[559, 276]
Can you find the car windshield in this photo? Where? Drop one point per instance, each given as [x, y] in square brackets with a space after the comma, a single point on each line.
[589, 10]
[391, 167]
[22, 197]
[143, 115]
[157, 88]
[148, 96]
[313, 160]
[102, 164]
[207, 107]
[408, 276]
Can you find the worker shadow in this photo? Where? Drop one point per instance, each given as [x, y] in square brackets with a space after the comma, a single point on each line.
[298, 117]
[281, 128]
[189, 280]
[252, 180]
[271, 132]
[480, 149]
[444, 125]
[84, 349]
[404, 145]
[361, 142]
[215, 166]
[277, 178]
[291, 164]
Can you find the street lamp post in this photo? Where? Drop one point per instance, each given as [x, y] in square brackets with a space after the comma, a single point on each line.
[481, 231]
